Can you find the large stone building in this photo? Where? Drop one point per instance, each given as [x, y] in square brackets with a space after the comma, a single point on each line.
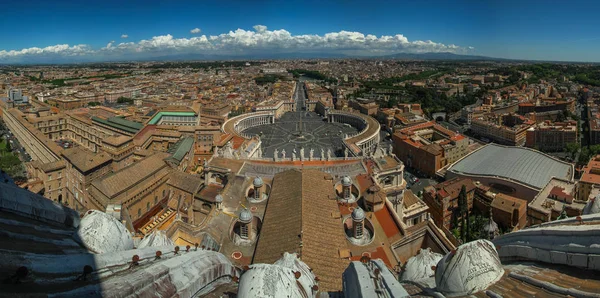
[549, 136]
[443, 201]
[506, 129]
[428, 147]
[590, 178]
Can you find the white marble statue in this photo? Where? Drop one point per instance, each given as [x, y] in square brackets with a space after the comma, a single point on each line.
[275, 153]
[346, 153]
[311, 153]
[302, 153]
[283, 154]
[294, 156]
[328, 153]
[322, 154]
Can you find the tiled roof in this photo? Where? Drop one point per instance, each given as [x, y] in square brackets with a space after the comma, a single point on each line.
[85, 160]
[130, 176]
[187, 182]
[298, 219]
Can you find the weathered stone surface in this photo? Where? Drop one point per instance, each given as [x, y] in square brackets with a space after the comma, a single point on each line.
[472, 268]
[102, 233]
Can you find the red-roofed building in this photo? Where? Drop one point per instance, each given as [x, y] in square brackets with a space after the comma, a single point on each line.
[428, 146]
[442, 200]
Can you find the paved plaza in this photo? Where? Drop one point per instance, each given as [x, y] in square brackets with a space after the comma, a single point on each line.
[289, 133]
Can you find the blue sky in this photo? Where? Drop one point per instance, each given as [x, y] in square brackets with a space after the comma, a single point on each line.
[80, 30]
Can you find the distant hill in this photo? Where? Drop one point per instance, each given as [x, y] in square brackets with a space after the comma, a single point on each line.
[439, 56]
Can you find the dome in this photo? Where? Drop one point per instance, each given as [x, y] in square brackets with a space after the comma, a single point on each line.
[358, 214]
[258, 182]
[346, 181]
[592, 206]
[156, 238]
[219, 199]
[102, 233]
[419, 267]
[245, 215]
[491, 226]
[473, 267]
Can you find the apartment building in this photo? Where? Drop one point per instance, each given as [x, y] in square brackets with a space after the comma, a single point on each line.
[507, 129]
[548, 136]
[428, 146]
[82, 167]
[442, 200]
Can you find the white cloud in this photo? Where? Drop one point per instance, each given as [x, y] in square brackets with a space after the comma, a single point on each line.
[124, 36]
[241, 42]
[195, 31]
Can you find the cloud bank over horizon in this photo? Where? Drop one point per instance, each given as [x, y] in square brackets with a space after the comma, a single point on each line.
[238, 43]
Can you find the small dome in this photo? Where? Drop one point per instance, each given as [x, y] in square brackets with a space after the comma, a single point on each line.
[245, 215]
[358, 214]
[592, 206]
[258, 182]
[420, 266]
[491, 226]
[156, 238]
[102, 233]
[472, 268]
[219, 198]
[346, 181]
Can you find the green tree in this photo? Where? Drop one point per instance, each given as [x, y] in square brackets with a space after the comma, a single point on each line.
[463, 208]
[572, 148]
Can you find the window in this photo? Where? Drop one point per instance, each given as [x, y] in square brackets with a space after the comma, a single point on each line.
[147, 206]
[139, 212]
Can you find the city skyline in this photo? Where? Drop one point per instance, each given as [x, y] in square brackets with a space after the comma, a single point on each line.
[62, 32]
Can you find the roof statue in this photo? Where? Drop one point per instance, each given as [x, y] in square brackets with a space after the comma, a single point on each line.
[311, 153]
[420, 267]
[471, 268]
[156, 238]
[102, 233]
[302, 153]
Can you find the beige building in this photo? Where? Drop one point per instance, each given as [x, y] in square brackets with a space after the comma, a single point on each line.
[507, 129]
[82, 167]
[136, 188]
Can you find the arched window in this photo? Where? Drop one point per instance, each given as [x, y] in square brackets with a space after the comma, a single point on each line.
[139, 212]
[148, 206]
[164, 192]
[155, 200]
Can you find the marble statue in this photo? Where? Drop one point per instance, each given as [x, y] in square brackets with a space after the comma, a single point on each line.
[322, 154]
[328, 153]
[390, 149]
[275, 153]
[294, 156]
[283, 154]
[346, 153]
[311, 153]
[302, 153]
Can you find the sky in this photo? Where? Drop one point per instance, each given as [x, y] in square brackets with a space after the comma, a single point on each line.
[37, 31]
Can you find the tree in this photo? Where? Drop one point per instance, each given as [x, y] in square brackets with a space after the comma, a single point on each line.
[464, 211]
[572, 148]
